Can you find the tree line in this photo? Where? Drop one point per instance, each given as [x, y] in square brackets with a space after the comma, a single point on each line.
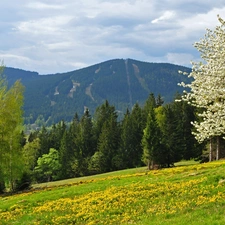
[153, 135]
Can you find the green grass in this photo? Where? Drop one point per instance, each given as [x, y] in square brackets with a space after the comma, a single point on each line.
[189, 193]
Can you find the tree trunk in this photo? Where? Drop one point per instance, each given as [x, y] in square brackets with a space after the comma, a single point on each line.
[148, 164]
[210, 150]
[10, 167]
[217, 148]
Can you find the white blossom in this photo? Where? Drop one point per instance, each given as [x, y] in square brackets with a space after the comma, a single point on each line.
[207, 90]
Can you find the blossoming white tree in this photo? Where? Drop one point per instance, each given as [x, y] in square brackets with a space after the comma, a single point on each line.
[207, 90]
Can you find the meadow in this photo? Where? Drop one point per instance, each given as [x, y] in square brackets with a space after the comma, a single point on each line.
[185, 194]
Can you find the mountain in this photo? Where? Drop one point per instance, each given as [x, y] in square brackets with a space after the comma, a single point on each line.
[121, 82]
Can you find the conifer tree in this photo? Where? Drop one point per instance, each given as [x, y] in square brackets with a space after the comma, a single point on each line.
[84, 143]
[107, 135]
[149, 104]
[101, 115]
[45, 144]
[108, 145]
[56, 134]
[66, 156]
[131, 136]
[86, 135]
[125, 151]
[69, 151]
[151, 140]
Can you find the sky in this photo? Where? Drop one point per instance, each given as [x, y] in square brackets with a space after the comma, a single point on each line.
[55, 36]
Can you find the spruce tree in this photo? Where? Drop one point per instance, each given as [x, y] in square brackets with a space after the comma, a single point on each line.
[131, 136]
[84, 143]
[151, 141]
[66, 155]
[107, 137]
[108, 145]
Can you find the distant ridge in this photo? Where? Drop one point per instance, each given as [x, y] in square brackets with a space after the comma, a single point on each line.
[123, 82]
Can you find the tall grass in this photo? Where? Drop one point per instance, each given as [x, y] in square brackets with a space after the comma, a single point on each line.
[185, 194]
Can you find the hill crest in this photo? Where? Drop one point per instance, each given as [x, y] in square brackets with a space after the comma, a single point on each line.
[123, 82]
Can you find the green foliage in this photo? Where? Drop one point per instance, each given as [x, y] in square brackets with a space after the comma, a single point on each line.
[108, 143]
[48, 165]
[97, 162]
[31, 152]
[11, 120]
[151, 141]
[155, 134]
[132, 127]
[102, 143]
[2, 182]
[66, 155]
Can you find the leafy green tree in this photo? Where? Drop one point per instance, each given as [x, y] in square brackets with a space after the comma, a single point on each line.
[97, 163]
[31, 153]
[48, 166]
[11, 120]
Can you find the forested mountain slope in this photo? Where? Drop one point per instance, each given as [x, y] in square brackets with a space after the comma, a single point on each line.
[121, 82]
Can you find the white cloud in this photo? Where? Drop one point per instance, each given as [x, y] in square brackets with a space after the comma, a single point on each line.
[166, 16]
[41, 5]
[180, 58]
[51, 36]
[44, 25]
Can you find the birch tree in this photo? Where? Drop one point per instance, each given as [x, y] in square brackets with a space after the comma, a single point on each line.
[11, 120]
[207, 90]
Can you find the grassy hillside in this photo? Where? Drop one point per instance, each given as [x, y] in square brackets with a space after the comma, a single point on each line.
[185, 194]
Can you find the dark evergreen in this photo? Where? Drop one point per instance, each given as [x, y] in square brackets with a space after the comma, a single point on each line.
[131, 135]
[159, 100]
[66, 155]
[107, 134]
[56, 134]
[149, 104]
[151, 141]
[43, 136]
[188, 146]
[84, 143]
[169, 138]
[155, 134]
